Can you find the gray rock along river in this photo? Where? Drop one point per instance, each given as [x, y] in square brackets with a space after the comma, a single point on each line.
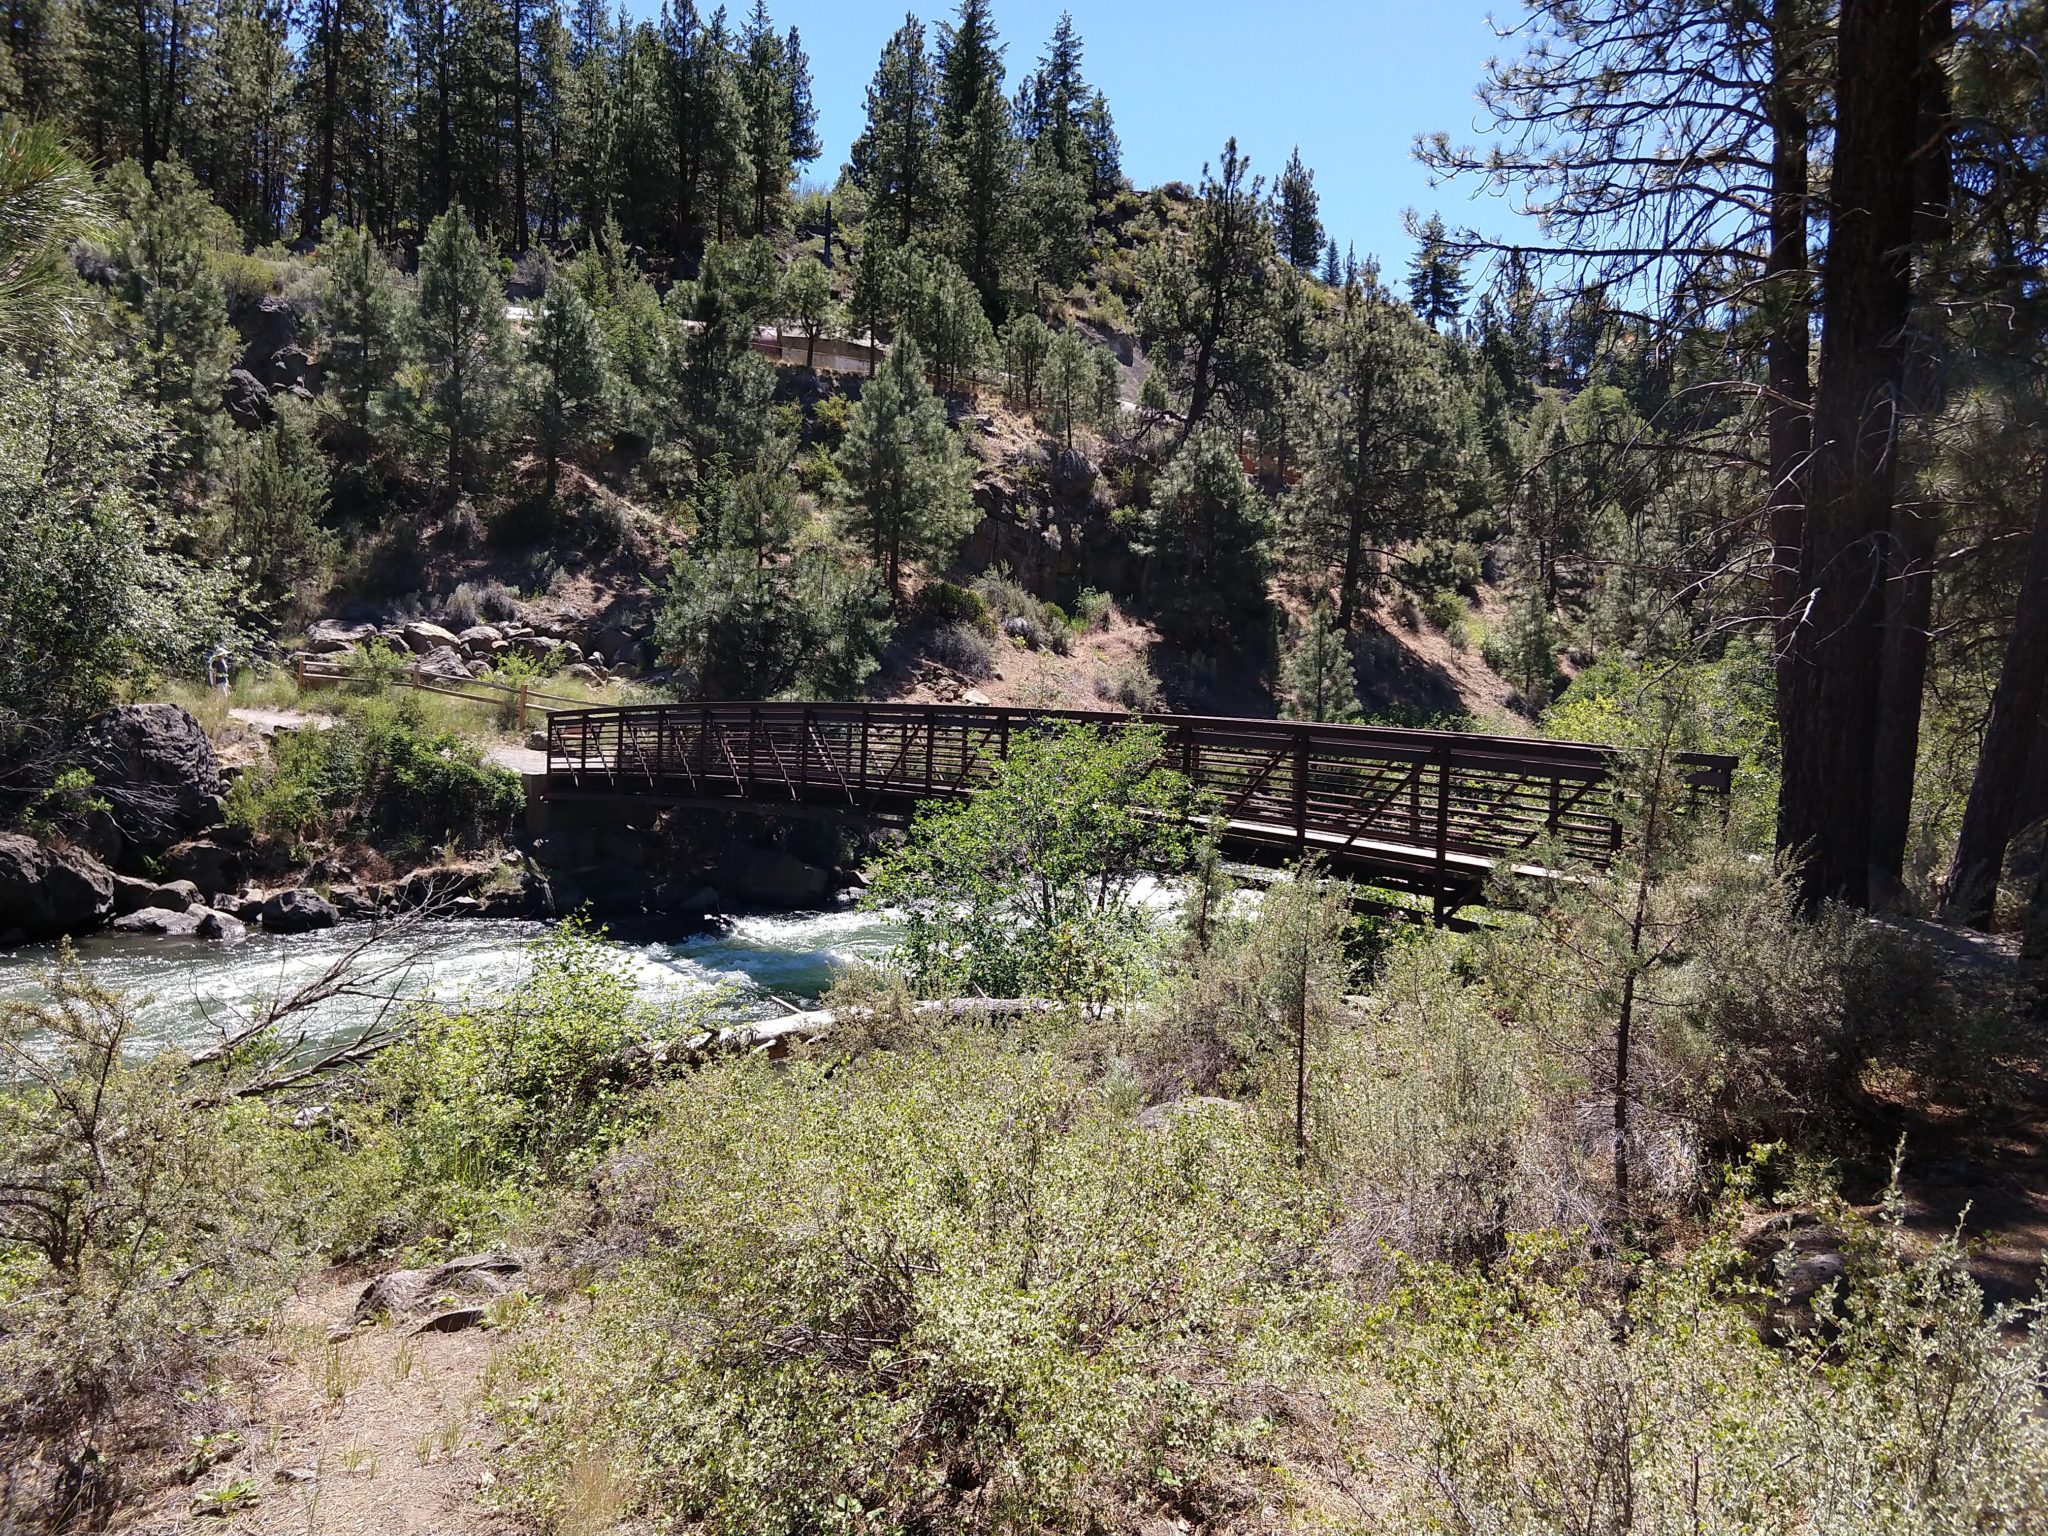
[191, 983]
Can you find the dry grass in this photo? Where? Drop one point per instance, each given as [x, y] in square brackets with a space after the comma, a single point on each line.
[379, 1433]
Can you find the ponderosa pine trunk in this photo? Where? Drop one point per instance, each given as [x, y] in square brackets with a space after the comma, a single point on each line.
[1789, 348]
[1998, 791]
[1916, 524]
[518, 127]
[1829, 682]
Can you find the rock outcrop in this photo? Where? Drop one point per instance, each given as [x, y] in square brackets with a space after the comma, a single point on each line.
[155, 768]
[296, 911]
[211, 866]
[48, 892]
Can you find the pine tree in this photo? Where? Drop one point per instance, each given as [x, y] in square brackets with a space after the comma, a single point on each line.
[1436, 277]
[895, 161]
[765, 87]
[462, 336]
[723, 390]
[48, 200]
[1105, 152]
[945, 318]
[1530, 648]
[687, 131]
[571, 377]
[880, 290]
[1025, 344]
[1053, 105]
[1209, 298]
[906, 469]
[1108, 396]
[245, 132]
[1385, 438]
[1333, 270]
[362, 339]
[1069, 385]
[1318, 675]
[590, 123]
[979, 148]
[1206, 535]
[275, 490]
[1296, 226]
[140, 64]
[548, 123]
[807, 299]
[1055, 215]
[804, 143]
[173, 303]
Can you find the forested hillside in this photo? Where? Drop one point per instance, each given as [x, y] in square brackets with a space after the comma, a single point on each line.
[484, 343]
[401, 299]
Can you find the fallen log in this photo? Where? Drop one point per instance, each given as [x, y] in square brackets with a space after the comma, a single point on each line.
[775, 1037]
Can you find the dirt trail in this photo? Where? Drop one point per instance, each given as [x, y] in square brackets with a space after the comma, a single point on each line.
[380, 1434]
[1979, 1159]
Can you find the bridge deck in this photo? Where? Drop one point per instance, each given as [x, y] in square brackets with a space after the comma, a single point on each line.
[1428, 812]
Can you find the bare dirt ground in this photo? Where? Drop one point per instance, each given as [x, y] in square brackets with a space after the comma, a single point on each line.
[379, 1434]
[1974, 1158]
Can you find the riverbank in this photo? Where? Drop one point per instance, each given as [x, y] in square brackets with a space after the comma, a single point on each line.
[380, 807]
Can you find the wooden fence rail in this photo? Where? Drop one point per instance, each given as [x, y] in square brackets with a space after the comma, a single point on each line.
[1428, 812]
[310, 672]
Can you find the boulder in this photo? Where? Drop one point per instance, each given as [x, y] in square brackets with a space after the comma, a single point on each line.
[568, 653]
[445, 661]
[328, 635]
[245, 398]
[47, 892]
[164, 922]
[296, 911]
[100, 835]
[220, 927]
[209, 866]
[286, 368]
[413, 1292]
[584, 672]
[1160, 1117]
[155, 768]
[267, 327]
[479, 639]
[420, 637]
[132, 895]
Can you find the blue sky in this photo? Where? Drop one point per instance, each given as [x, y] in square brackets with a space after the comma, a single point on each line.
[1351, 83]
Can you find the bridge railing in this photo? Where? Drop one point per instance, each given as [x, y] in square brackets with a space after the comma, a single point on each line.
[1446, 803]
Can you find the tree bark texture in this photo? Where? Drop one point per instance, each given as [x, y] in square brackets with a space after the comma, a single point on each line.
[1831, 676]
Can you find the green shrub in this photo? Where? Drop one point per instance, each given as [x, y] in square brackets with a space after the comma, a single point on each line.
[1029, 889]
[944, 1289]
[1092, 609]
[380, 775]
[1445, 612]
[966, 648]
[1525, 1408]
[489, 1100]
[942, 603]
[145, 1225]
[1442, 565]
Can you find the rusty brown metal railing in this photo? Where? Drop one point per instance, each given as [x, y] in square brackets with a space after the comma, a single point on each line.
[1432, 813]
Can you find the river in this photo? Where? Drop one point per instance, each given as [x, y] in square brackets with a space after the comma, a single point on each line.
[188, 989]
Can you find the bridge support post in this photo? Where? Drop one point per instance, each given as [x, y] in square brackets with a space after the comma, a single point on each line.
[1301, 759]
[1443, 833]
